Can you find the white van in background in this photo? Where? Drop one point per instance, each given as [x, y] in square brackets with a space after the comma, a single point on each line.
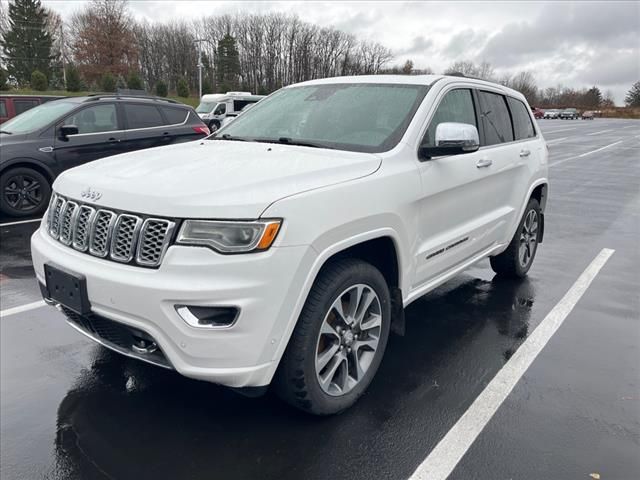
[214, 108]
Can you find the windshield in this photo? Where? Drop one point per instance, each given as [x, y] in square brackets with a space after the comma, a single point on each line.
[355, 117]
[206, 107]
[38, 117]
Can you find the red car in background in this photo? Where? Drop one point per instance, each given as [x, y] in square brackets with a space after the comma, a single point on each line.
[537, 113]
[12, 105]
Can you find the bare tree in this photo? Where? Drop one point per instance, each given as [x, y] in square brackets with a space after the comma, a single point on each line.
[102, 39]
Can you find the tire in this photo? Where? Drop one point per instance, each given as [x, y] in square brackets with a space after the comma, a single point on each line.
[213, 126]
[515, 262]
[24, 192]
[323, 340]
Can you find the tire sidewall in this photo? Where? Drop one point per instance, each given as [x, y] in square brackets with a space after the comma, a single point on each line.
[362, 274]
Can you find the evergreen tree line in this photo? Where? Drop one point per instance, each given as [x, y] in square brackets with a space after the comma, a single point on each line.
[102, 48]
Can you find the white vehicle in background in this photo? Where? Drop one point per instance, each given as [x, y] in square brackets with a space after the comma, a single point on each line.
[551, 113]
[215, 108]
[283, 249]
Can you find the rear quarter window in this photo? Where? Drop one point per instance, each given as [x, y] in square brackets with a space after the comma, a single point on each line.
[522, 124]
[495, 118]
[142, 116]
[174, 115]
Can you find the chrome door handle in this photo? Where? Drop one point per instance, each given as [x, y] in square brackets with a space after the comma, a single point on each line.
[525, 153]
[484, 162]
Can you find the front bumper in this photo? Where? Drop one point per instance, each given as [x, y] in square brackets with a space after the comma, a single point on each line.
[264, 286]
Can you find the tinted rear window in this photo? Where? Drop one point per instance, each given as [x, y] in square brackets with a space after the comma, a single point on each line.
[24, 105]
[174, 115]
[495, 118]
[521, 119]
[142, 116]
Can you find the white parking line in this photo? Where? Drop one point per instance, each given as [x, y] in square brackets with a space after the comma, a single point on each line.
[20, 222]
[600, 149]
[21, 308]
[447, 454]
[601, 131]
[562, 130]
[557, 140]
[584, 154]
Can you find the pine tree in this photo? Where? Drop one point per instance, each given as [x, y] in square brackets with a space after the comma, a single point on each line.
[134, 82]
[183, 88]
[593, 97]
[228, 63]
[633, 96]
[74, 82]
[26, 46]
[161, 88]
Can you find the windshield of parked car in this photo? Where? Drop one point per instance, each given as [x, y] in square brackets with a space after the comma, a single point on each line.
[354, 117]
[38, 117]
[206, 107]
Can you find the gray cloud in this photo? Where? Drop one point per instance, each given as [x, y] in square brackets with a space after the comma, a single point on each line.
[465, 43]
[578, 43]
[562, 26]
[419, 45]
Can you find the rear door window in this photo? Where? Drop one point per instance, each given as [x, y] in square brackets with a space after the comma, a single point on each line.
[495, 118]
[174, 115]
[24, 105]
[142, 116]
[456, 106]
[95, 119]
[522, 123]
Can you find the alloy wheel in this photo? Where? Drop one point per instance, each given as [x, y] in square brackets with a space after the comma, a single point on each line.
[23, 192]
[528, 238]
[348, 340]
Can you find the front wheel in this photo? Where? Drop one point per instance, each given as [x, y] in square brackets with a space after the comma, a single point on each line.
[516, 260]
[23, 192]
[339, 340]
[214, 125]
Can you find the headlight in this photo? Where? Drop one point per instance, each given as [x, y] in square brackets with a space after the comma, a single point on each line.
[229, 237]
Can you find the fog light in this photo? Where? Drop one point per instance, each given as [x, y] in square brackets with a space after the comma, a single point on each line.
[208, 317]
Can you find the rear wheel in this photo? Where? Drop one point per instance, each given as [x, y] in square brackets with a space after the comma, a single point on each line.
[214, 125]
[23, 192]
[516, 260]
[339, 340]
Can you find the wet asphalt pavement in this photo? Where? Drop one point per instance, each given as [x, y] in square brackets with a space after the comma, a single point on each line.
[74, 410]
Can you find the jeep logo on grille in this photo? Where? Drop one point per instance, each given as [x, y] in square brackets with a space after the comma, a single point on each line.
[90, 194]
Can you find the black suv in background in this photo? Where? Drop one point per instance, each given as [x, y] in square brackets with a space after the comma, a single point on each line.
[39, 144]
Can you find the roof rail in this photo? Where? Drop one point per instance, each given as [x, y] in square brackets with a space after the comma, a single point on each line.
[98, 96]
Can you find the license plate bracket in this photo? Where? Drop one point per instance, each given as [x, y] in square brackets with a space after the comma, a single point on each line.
[67, 288]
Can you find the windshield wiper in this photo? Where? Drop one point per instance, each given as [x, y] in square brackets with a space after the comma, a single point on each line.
[4, 131]
[229, 137]
[290, 141]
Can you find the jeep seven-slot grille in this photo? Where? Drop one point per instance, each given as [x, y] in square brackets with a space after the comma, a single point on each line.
[119, 236]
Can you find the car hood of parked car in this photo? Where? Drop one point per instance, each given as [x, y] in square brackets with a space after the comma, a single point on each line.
[211, 179]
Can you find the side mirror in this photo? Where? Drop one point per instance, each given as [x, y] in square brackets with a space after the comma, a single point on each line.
[452, 139]
[66, 130]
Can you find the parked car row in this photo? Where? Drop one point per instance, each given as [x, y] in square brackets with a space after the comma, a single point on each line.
[566, 114]
[36, 146]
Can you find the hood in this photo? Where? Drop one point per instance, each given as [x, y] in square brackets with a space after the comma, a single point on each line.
[212, 178]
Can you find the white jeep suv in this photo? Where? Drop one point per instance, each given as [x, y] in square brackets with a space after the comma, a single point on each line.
[283, 248]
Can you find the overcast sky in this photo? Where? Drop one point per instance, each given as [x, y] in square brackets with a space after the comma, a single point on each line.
[577, 44]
